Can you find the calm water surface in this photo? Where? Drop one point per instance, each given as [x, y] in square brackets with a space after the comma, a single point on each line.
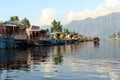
[84, 61]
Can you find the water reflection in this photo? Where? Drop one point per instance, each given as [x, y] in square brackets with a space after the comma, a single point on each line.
[84, 61]
[6, 58]
[58, 55]
[37, 54]
[16, 59]
[96, 45]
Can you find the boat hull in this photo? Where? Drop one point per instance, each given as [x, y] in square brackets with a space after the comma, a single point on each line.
[6, 42]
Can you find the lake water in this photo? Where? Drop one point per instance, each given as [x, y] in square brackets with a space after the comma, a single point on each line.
[83, 61]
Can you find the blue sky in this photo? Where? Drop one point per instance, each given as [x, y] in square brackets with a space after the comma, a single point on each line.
[39, 12]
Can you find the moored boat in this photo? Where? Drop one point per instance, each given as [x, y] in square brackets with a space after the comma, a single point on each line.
[96, 39]
[37, 36]
[13, 35]
[6, 41]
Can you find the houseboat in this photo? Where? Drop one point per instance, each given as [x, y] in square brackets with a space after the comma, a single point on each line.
[12, 35]
[59, 38]
[6, 37]
[37, 36]
[72, 38]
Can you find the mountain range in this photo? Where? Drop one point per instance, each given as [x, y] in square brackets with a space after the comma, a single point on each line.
[102, 26]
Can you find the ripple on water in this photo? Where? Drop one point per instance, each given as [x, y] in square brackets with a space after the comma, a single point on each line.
[67, 62]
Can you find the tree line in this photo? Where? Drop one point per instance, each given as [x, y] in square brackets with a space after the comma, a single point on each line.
[57, 27]
[24, 22]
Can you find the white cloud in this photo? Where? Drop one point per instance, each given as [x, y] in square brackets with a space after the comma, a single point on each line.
[109, 7]
[113, 3]
[47, 16]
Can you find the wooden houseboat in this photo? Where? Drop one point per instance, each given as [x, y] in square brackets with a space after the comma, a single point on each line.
[71, 38]
[13, 35]
[59, 38]
[37, 37]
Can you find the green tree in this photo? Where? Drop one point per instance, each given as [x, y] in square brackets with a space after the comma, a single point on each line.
[66, 31]
[25, 22]
[56, 26]
[14, 18]
[51, 29]
[118, 34]
[1, 22]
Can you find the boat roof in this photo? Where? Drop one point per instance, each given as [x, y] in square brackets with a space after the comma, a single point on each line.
[9, 23]
[35, 27]
[35, 30]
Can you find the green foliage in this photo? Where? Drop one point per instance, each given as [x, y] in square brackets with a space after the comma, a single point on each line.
[25, 22]
[51, 29]
[14, 18]
[56, 26]
[11, 18]
[66, 31]
[1, 22]
[58, 59]
[118, 34]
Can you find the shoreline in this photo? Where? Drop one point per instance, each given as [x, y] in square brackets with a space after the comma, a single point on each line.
[114, 38]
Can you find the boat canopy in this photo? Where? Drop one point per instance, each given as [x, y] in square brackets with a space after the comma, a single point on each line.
[9, 23]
